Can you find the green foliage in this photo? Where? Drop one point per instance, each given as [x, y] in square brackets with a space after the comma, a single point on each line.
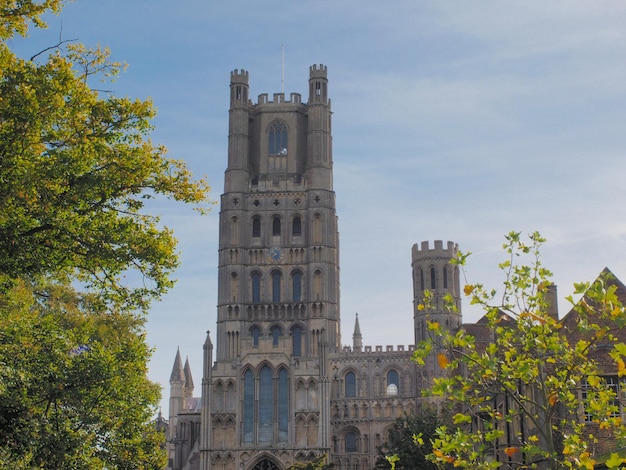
[410, 441]
[520, 397]
[73, 386]
[316, 464]
[76, 169]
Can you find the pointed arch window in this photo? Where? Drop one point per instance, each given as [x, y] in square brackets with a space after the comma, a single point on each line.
[248, 406]
[350, 385]
[296, 226]
[276, 281]
[421, 279]
[256, 226]
[432, 278]
[296, 278]
[256, 287]
[445, 278]
[393, 383]
[278, 138]
[276, 226]
[296, 341]
[283, 405]
[266, 405]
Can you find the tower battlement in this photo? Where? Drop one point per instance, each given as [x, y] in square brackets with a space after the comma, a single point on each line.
[318, 71]
[424, 250]
[239, 76]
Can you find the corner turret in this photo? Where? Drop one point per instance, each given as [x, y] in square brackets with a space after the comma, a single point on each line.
[188, 391]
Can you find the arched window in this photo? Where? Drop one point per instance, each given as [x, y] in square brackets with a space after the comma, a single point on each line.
[445, 278]
[432, 278]
[276, 226]
[278, 138]
[296, 278]
[350, 442]
[350, 385]
[393, 382]
[296, 226]
[266, 405]
[421, 279]
[276, 281]
[248, 406]
[275, 330]
[256, 288]
[255, 332]
[296, 341]
[283, 405]
[256, 226]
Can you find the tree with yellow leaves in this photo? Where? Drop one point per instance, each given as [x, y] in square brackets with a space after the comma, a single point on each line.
[533, 391]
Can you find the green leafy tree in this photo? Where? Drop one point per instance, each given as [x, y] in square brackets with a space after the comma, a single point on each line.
[73, 386]
[534, 395]
[76, 168]
[80, 256]
[410, 441]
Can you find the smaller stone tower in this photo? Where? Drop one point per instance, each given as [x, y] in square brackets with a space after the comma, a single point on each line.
[433, 272]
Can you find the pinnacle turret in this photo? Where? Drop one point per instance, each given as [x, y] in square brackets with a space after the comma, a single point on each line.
[357, 337]
[188, 379]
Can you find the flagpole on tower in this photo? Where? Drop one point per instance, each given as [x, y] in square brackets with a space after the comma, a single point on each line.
[282, 68]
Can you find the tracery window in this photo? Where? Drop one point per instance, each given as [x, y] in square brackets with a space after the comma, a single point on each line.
[269, 403]
[278, 138]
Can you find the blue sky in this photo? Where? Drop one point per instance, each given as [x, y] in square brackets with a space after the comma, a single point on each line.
[452, 120]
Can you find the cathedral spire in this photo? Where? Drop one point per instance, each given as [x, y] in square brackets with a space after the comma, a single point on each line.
[188, 379]
[357, 337]
[178, 374]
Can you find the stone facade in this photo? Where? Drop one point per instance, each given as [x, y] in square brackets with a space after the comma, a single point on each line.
[278, 387]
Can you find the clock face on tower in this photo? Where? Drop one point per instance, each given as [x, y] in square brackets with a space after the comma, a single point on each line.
[276, 253]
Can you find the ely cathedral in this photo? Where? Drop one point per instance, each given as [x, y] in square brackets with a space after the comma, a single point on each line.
[277, 385]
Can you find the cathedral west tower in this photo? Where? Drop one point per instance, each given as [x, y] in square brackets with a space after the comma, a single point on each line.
[278, 299]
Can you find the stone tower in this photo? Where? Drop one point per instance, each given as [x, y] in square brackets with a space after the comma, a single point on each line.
[433, 272]
[278, 282]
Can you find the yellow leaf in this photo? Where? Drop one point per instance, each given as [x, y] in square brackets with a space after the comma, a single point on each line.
[621, 367]
[442, 360]
[553, 398]
[468, 289]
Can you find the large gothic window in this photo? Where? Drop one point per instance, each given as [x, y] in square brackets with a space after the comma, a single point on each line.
[350, 385]
[278, 138]
[266, 406]
[296, 278]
